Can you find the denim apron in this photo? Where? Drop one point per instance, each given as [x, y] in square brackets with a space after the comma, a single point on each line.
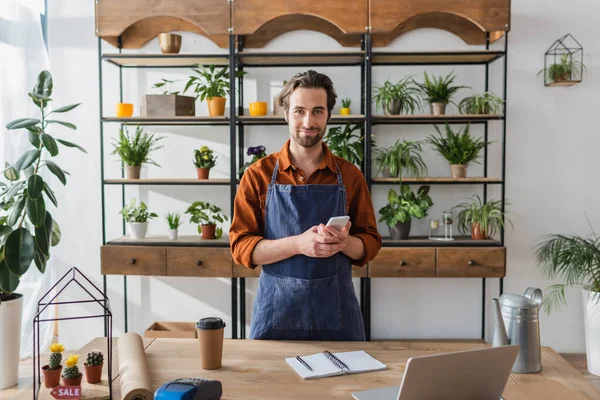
[305, 298]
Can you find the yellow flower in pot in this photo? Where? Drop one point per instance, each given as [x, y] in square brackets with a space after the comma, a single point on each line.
[204, 160]
[345, 110]
[54, 368]
[206, 216]
[71, 375]
[211, 85]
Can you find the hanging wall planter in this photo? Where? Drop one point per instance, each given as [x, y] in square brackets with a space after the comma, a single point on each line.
[563, 62]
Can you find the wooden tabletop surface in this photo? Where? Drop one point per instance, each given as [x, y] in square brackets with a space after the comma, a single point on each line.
[255, 369]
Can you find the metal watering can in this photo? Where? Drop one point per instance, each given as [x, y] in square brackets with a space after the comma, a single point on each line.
[517, 322]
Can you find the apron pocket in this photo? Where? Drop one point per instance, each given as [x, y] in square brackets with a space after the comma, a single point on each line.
[306, 304]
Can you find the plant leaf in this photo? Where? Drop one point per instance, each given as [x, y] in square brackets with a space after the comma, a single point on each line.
[8, 280]
[36, 210]
[15, 212]
[67, 124]
[69, 144]
[18, 252]
[22, 123]
[34, 139]
[12, 174]
[27, 159]
[56, 235]
[50, 144]
[35, 185]
[43, 235]
[50, 194]
[65, 108]
[55, 169]
[44, 84]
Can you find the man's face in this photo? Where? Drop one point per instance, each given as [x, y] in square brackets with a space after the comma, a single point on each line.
[307, 116]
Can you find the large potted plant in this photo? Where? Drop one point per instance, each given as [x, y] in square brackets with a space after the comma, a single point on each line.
[576, 261]
[206, 216]
[27, 229]
[402, 208]
[137, 218]
[212, 85]
[167, 103]
[438, 91]
[481, 219]
[458, 148]
[135, 150]
[567, 69]
[481, 103]
[346, 143]
[397, 98]
[402, 156]
[204, 160]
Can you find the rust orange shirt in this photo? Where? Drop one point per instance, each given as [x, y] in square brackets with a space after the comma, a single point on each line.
[247, 226]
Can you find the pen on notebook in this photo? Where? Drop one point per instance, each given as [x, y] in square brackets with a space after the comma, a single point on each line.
[303, 363]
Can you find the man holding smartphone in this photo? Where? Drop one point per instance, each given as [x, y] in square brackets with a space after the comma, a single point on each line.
[283, 200]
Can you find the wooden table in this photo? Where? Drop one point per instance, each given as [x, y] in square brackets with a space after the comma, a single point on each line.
[257, 369]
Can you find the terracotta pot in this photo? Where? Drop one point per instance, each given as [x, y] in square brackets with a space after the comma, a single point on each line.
[458, 171]
[208, 231]
[132, 172]
[203, 173]
[72, 381]
[562, 77]
[216, 106]
[93, 374]
[437, 108]
[51, 376]
[477, 233]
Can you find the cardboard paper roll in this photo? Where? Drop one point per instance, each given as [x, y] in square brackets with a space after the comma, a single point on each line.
[133, 368]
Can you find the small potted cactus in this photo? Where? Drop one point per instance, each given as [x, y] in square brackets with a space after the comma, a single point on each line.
[71, 375]
[93, 366]
[54, 368]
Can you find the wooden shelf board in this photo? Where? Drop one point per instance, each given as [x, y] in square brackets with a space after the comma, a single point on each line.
[166, 60]
[424, 241]
[162, 240]
[563, 83]
[434, 118]
[436, 180]
[437, 57]
[263, 59]
[199, 120]
[167, 181]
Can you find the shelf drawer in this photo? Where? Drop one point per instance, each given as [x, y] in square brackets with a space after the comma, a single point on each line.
[403, 263]
[471, 262]
[199, 261]
[133, 260]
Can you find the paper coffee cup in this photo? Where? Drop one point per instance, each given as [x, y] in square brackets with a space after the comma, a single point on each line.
[210, 336]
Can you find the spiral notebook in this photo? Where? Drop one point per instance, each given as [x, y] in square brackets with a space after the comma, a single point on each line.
[332, 364]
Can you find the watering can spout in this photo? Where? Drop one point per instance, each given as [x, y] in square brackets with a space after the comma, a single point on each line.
[500, 337]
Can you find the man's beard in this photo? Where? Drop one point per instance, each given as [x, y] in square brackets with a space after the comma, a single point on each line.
[308, 141]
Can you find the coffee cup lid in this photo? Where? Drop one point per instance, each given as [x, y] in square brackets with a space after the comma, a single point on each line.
[210, 323]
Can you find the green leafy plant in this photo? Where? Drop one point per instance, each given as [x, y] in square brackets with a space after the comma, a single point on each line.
[27, 229]
[204, 158]
[210, 82]
[405, 205]
[133, 213]
[257, 153]
[565, 70]
[203, 213]
[403, 155]
[457, 147]
[165, 87]
[346, 143]
[439, 89]
[135, 150]
[398, 98]
[484, 103]
[174, 220]
[346, 103]
[575, 259]
[489, 216]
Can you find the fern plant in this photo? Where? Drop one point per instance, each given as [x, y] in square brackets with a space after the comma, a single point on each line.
[135, 150]
[403, 155]
[457, 147]
[439, 90]
[484, 103]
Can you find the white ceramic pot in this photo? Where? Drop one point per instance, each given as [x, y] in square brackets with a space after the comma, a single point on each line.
[591, 320]
[11, 312]
[173, 234]
[137, 230]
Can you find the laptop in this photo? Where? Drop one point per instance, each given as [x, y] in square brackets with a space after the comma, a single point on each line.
[471, 374]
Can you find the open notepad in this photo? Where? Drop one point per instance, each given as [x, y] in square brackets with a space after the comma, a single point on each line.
[331, 364]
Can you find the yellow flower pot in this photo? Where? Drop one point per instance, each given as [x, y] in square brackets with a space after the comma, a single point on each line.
[216, 106]
[344, 111]
[124, 110]
[258, 108]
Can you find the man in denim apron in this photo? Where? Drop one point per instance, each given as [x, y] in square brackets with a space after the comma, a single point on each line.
[305, 290]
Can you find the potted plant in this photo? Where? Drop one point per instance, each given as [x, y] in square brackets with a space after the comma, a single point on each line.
[71, 375]
[135, 151]
[402, 208]
[458, 148]
[398, 98]
[483, 104]
[481, 220]
[168, 103]
[53, 369]
[565, 70]
[93, 366]
[137, 218]
[576, 261]
[257, 153]
[403, 155]
[345, 110]
[346, 143]
[206, 216]
[27, 229]
[174, 221]
[438, 92]
[204, 160]
[211, 85]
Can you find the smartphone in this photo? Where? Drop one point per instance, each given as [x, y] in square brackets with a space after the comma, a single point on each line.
[338, 222]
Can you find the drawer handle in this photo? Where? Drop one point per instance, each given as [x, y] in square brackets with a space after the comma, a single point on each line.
[471, 263]
[133, 261]
[199, 263]
[402, 263]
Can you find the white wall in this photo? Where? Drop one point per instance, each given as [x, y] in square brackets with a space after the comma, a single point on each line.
[551, 171]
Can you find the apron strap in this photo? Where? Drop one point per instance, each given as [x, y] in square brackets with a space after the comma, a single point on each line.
[274, 177]
[339, 174]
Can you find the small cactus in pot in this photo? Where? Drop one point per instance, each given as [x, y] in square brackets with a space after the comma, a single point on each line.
[93, 366]
[54, 368]
[71, 375]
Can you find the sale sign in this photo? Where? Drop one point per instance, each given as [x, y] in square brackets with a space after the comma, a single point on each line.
[66, 392]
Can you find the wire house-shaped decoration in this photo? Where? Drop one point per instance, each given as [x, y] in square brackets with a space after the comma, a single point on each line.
[72, 278]
[563, 62]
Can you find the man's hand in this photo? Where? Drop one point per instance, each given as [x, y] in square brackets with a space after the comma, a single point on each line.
[313, 244]
[331, 232]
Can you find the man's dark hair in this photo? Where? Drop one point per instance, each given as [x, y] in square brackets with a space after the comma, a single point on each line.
[309, 79]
